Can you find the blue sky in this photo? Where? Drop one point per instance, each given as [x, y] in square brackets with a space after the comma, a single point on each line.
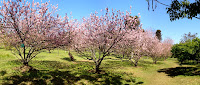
[157, 19]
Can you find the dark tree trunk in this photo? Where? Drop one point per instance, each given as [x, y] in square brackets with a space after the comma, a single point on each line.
[136, 63]
[123, 55]
[155, 62]
[49, 51]
[25, 63]
[71, 56]
[97, 70]
[98, 63]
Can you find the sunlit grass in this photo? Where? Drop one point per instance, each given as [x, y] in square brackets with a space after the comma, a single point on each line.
[56, 68]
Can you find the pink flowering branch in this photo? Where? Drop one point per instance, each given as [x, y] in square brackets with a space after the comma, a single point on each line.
[100, 34]
[29, 28]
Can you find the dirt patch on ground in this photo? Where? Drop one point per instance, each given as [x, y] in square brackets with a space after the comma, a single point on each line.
[24, 68]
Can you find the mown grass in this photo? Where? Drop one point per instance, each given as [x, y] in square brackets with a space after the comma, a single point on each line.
[56, 68]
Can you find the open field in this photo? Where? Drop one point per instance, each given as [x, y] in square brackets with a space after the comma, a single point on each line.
[56, 68]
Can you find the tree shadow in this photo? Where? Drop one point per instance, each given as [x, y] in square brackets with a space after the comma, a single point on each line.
[37, 77]
[107, 78]
[67, 59]
[49, 64]
[189, 63]
[45, 77]
[32, 76]
[117, 64]
[1, 47]
[146, 64]
[198, 65]
[2, 73]
[186, 71]
[68, 74]
[63, 77]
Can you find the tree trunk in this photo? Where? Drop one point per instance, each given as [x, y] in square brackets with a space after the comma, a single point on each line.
[25, 63]
[49, 51]
[155, 62]
[98, 63]
[123, 56]
[131, 56]
[136, 63]
[71, 56]
[97, 70]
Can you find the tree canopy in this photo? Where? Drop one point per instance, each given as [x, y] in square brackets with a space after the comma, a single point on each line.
[189, 50]
[179, 9]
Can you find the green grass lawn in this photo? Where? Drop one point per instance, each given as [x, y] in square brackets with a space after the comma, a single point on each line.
[56, 69]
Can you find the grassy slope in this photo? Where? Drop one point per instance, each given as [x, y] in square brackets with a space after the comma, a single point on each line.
[55, 68]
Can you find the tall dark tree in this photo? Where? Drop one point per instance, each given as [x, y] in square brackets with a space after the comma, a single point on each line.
[159, 35]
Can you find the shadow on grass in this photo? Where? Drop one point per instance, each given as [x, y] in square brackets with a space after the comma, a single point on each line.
[78, 73]
[116, 64]
[198, 65]
[128, 63]
[148, 64]
[37, 77]
[42, 77]
[67, 59]
[2, 48]
[49, 64]
[189, 63]
[186, 71]
[104, 78]
[2, 73]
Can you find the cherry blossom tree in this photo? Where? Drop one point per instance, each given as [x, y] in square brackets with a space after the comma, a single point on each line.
[129, 45]
[125, 47]
[137, 45]
[167, 45]
[31, 27]
[157, 50]
[101, 33]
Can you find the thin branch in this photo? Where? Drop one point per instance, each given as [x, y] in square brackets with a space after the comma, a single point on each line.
[15, 55]
[18, 51]
[161, 3]
[33, 56]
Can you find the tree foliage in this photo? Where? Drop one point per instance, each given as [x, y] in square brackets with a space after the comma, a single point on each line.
[156, 49]
[184, 9]
[137, 24]
[159, 35]
[100, 34]
[28, 28]
[179, 9]
[189, 50]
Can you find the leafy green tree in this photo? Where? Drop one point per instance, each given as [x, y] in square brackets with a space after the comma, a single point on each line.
[189, 50]
[196, 47]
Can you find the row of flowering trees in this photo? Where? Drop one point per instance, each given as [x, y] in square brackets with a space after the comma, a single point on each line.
[29, 28]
